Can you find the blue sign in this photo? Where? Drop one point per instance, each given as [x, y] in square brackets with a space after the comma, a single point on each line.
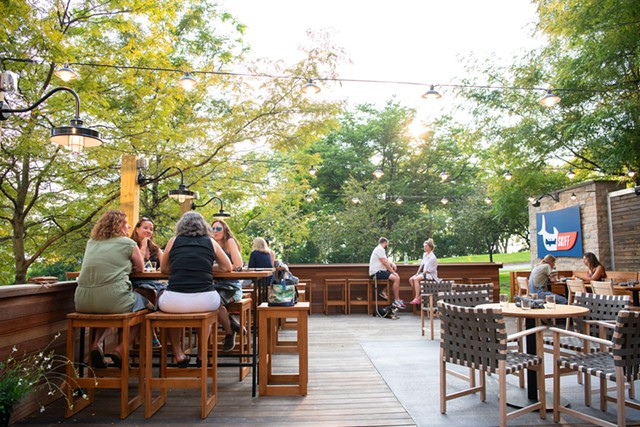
[559, 232]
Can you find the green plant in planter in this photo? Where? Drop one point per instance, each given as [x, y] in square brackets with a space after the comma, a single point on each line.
[20, 375]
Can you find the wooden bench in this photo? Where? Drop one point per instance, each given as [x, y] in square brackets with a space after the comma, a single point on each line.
[174, 377]
[282, 384]
[110, 377]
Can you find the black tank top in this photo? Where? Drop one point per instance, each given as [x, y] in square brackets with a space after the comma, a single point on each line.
[191, 260]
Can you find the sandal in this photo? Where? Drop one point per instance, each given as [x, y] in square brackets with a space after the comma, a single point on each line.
[97, 359]
[117, 360]
[184, 363]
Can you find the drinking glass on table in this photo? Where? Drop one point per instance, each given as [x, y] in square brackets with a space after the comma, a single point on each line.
[533, 296]
[550, 301]
[504, 300]
[525, 303]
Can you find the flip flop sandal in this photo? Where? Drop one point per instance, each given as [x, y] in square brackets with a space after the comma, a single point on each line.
[117, 360]
[184, 363]
[97, 359]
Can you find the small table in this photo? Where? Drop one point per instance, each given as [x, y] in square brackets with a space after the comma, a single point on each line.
[561, 311]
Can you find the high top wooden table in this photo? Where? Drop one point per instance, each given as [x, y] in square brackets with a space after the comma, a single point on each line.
[531, 316]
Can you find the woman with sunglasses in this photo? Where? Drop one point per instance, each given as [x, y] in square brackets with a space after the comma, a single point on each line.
[143, 236]
[229, 290]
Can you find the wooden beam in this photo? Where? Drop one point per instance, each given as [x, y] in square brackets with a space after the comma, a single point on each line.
[129, 189]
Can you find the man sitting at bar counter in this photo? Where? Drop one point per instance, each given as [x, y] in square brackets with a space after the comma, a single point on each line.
[541, 278]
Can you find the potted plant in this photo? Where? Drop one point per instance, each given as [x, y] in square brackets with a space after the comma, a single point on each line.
[21, 374]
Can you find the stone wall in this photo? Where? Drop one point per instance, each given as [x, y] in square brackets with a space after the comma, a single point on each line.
[592, 198]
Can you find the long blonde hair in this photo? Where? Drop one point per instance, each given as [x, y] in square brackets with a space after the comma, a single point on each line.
[260, 245]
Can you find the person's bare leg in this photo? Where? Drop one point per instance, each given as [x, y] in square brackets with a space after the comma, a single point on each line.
[174, 340]
[395, 285]
[97, 340]
[133, 334]
[223, 318]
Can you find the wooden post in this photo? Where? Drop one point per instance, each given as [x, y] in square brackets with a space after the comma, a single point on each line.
[129, 189]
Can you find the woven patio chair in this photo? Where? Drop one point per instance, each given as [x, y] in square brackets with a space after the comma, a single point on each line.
[468, 287]
[466, 299]
[429, 290]
[620, 365]
[477, 338]
[601, 308]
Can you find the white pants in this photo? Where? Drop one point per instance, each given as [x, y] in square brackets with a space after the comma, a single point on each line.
[178, 302]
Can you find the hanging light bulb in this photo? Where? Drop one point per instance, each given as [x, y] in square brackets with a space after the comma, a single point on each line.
[531, 199]
[187, 82]
[507, 175]
[631, 173]
[378, 173]
[573, 196]
[444, 176]
[309, 198]
[431, 94]
[263, 195]
[310, 88]
[549, 99]
[312, 170]
[571, 174]
[488, 200]
[219, 192]
[444, 200]
[399, 200]
[244, 166]
[355, 200]
[66, 73]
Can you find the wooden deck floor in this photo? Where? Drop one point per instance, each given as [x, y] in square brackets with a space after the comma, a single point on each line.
[363, 371]
[344, 389]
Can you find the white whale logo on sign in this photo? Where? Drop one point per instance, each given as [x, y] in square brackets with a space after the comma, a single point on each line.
[550, 240]
[565, 237]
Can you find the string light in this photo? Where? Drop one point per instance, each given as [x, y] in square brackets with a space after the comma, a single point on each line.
[507, 175]
[309, 198]
[313, 170]
[531, 199]
[549, 99]
[244, 166]
[355, 200]
[488, 200]
[399, 201]
[631, 173]
[444, 200]
[263, 195]
[310, 88]
[378, 173]
[444, 176]
[219, 192]
[66, 73]
[573, 196]
[187, 82]
[571, 174]
[432, 94]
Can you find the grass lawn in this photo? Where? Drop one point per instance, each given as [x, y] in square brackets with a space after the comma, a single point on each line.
[515, 258]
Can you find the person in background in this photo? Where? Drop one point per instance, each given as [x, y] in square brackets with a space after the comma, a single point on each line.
[382, 268]
[542, 276]
[271, 252]
[190, 259]
[229, 290]
[595, 270]
[152, 255]
[143, 235]
[261, 255]
[103, 284]
[427, 270]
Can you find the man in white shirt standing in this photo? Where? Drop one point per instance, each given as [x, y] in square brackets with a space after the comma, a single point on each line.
[383, 269]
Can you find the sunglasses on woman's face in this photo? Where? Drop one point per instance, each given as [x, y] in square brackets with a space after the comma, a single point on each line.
[218, 228]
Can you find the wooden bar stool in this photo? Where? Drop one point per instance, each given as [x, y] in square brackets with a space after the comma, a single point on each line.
[282, 384]
[333, 286]
[110, 377]
[242, 309]
[364, 293]
[174, 377]
[379, 285]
